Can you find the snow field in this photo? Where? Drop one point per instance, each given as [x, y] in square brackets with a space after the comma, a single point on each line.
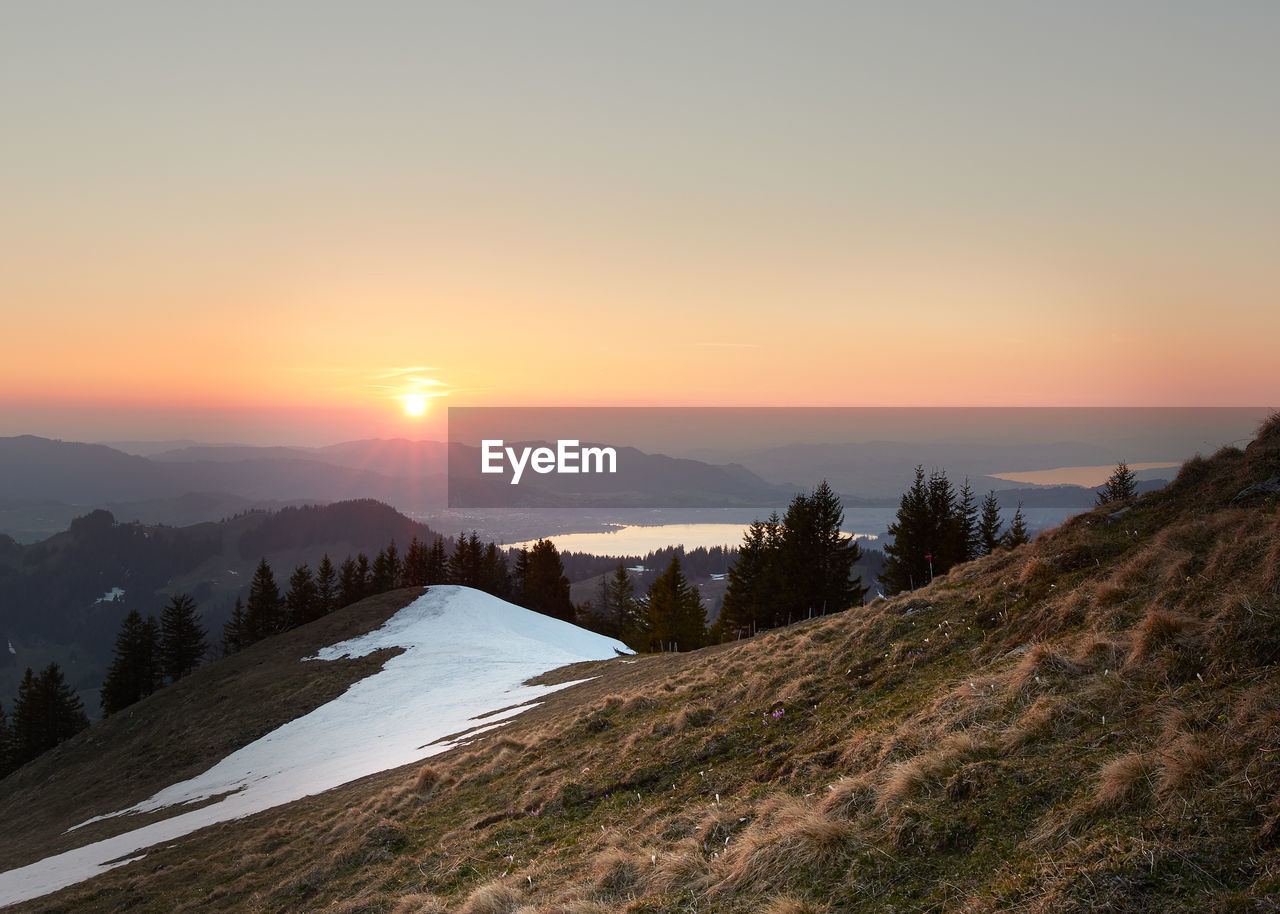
[466, 655]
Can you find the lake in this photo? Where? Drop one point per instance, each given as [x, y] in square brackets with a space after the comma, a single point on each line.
[618, 532]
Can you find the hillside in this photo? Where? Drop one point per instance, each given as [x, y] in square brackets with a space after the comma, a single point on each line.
[85, 580]
[1090, 722]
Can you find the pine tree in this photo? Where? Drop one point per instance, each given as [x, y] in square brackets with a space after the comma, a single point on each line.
[326, 587]
[235, 633]
[675, 618]
[968, 541]
[906, 567]
[47, 712]
[364, 575]
[622, 600]
[743, 598]
[833, 555]
[437, 567]
[302, 602]
[385, 573]
[6, 744]
[182, 639]
[1017, 533]
[135, 671]
[495, 578]
[414, 572]
[465, 566]
[520, 577]
[546, 589]
[264, 610]
[350, 585]
[989, 524]
[944, 538]
[1120, 485]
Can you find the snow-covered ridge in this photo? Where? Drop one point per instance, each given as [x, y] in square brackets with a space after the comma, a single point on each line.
[466, 655]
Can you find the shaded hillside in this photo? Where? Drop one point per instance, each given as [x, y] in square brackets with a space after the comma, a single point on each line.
[63, 599]
[1090, 722]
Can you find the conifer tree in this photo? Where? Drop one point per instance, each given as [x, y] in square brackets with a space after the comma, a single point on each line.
[364, 574]
[437, 567]
[351, 586]
[943, 538]
[264, 610]
[744, 599]
[989, 524]
[326, 587]
[832, 555]
[414, 570]
[465, 566]
[46, 712]
[546, 589]
[235, 633]
[182, 639]
[906, 567]
[675, 618]
[6, 744]
[520, 577]
[622, 599]
[968, 545]
[302, 601]
[385, 572]
[1017, 533]
[1120, 485]
[495, 578]
[135, 671]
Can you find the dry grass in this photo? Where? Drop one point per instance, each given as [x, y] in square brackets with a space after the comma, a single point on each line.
[1042, 667]
[850, 798]
[1182, 764]
[1158, 628]
[616, 873]
[419, 904]
[915, 774]
[793, 846]
[683, 867]
[429, 777]
[1034, 724]
[495, 897]
[1122, 781]
[789, 904]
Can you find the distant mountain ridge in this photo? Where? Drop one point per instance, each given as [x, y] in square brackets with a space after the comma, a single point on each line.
[641, 480]
[44, 483]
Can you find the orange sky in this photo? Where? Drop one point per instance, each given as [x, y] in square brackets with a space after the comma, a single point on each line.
[266, 228]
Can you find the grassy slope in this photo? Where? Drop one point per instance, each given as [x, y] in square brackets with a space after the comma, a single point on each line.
[178, 732]
[1091, 722]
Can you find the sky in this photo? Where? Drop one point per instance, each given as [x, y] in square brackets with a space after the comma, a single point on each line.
[306, 222]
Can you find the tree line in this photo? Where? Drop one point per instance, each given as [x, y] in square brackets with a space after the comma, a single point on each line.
[792, 567]
[535, 580]
[937, 527]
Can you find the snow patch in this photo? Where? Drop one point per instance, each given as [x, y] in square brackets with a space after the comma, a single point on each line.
[466, 657]
[111, 596]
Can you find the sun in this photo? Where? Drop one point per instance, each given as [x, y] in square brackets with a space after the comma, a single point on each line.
[415, 404]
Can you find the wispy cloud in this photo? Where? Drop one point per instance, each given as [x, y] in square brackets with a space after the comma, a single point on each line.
[722, 344]
[404, 383]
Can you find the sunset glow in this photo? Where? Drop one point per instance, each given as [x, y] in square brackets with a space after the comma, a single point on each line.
[1059, 206]
[415, 404]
